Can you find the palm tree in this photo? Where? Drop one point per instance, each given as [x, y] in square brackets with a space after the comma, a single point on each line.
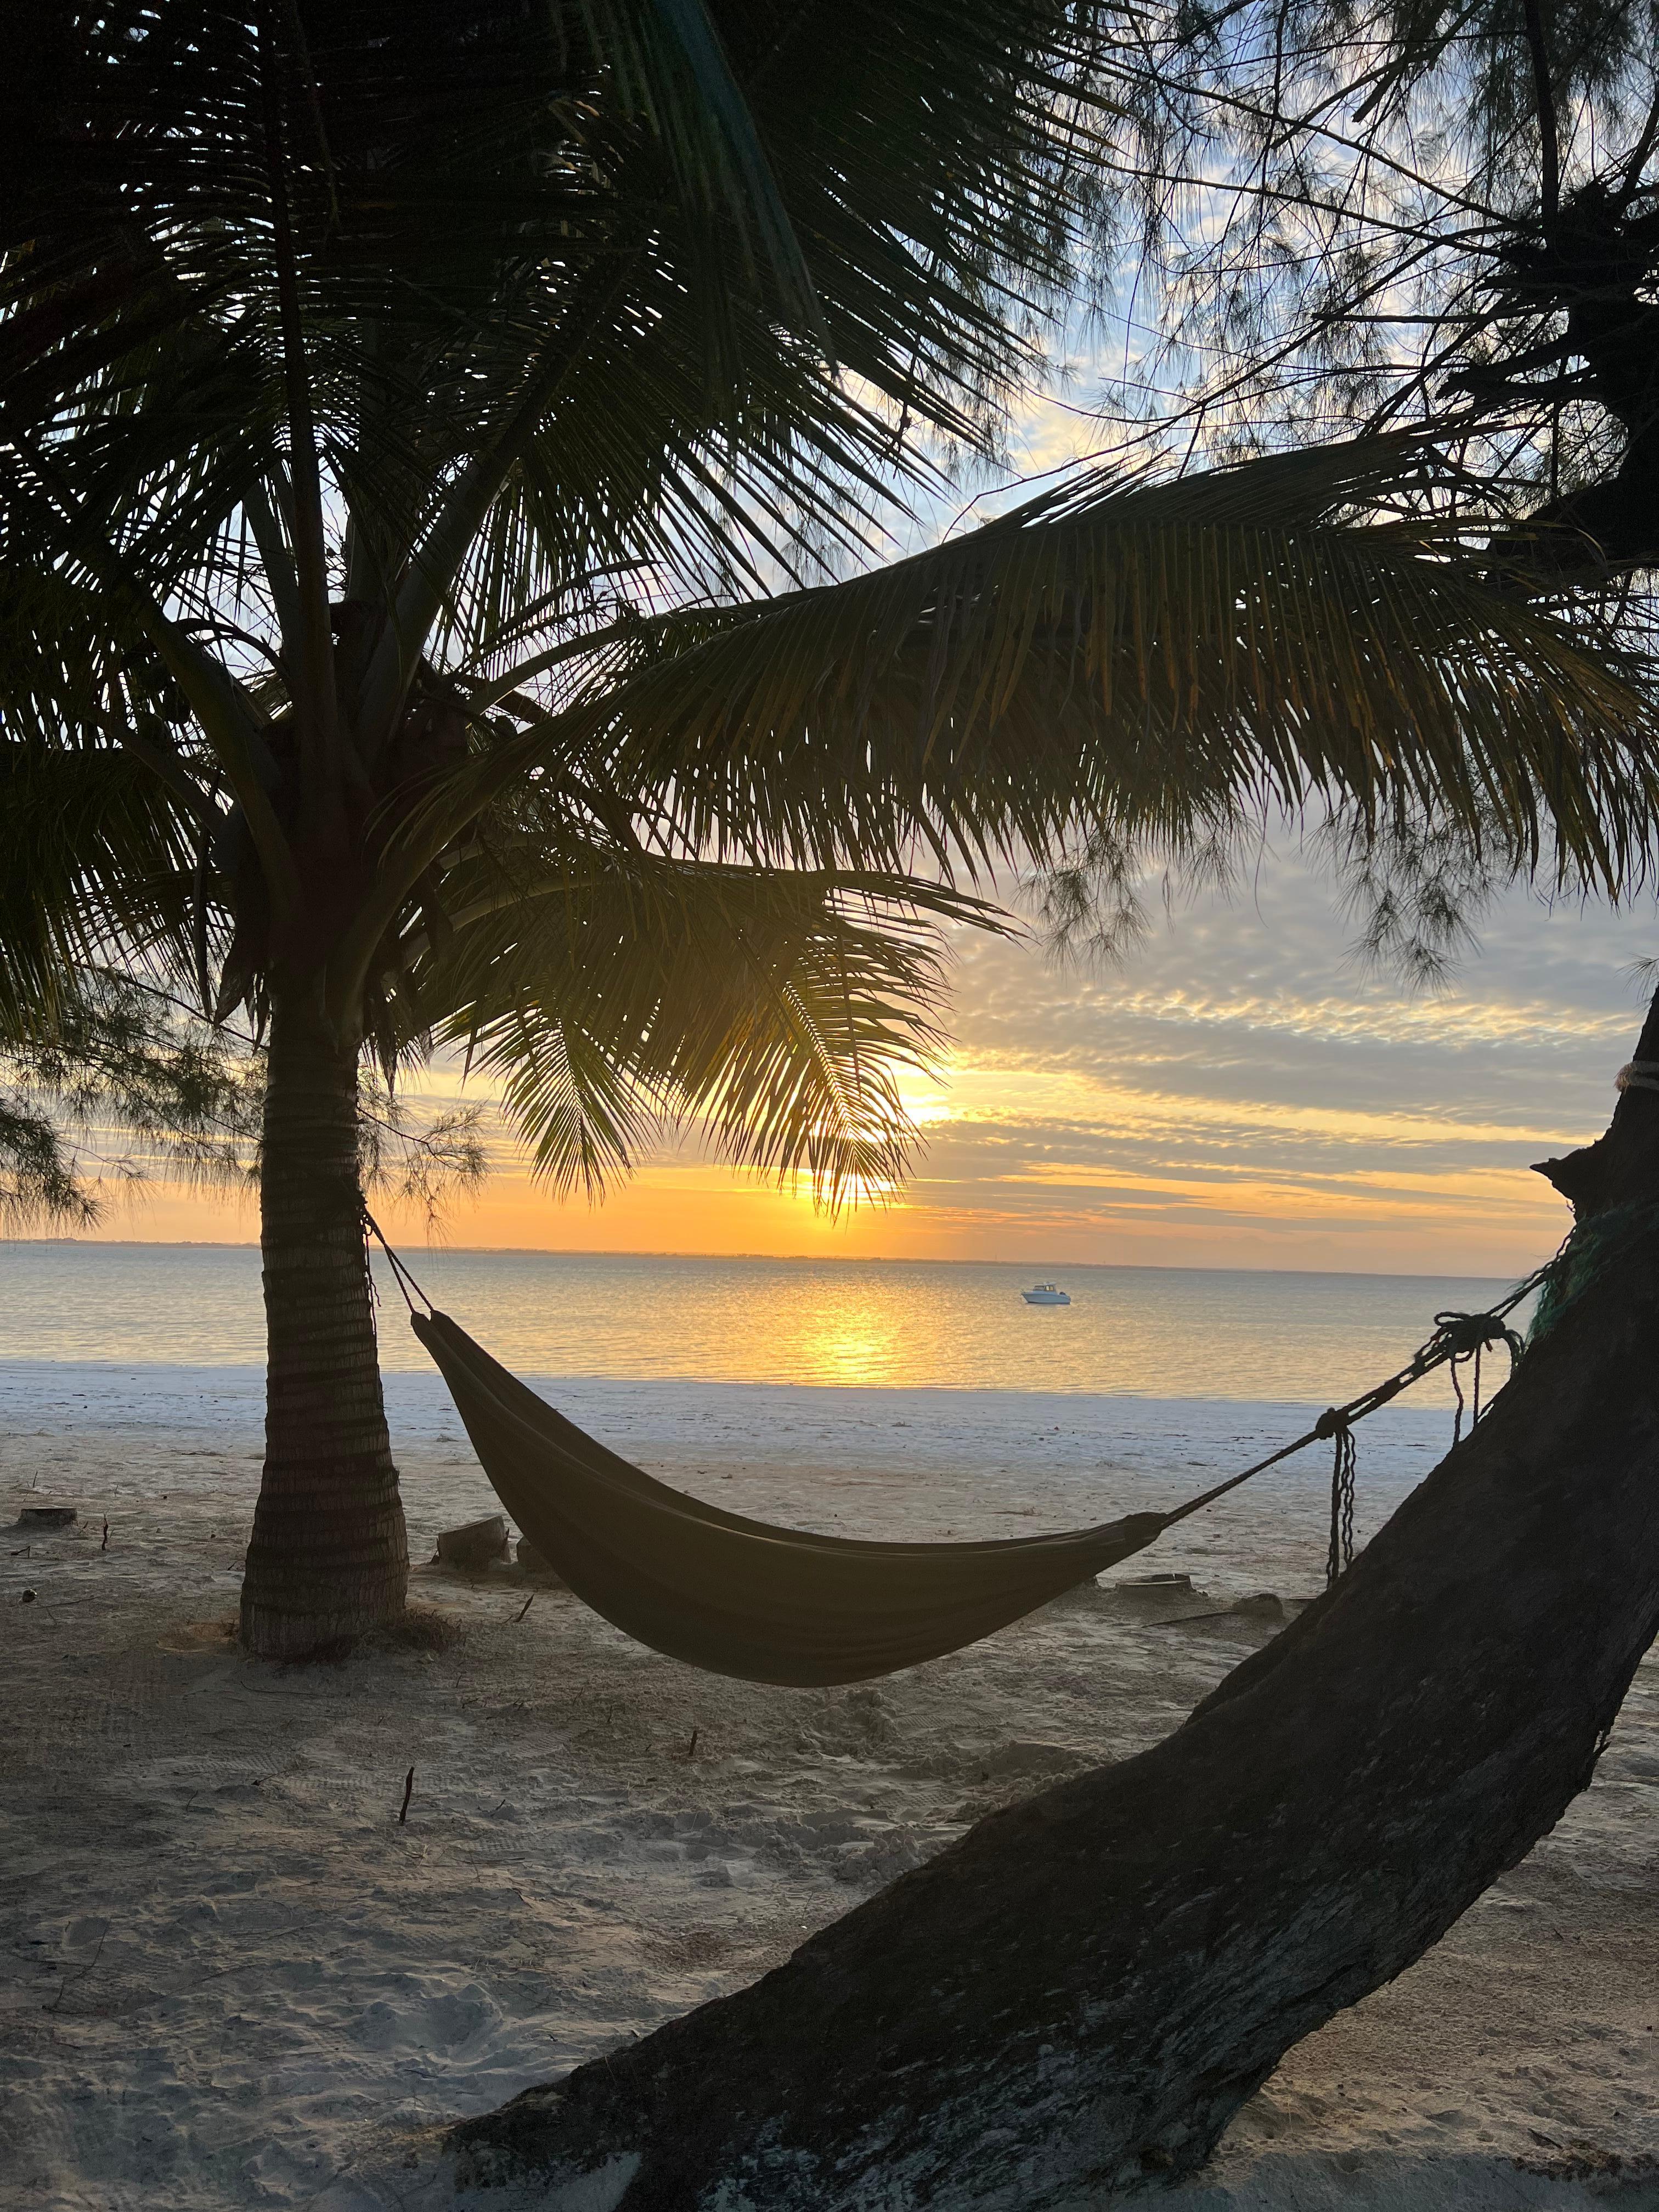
[443, 452]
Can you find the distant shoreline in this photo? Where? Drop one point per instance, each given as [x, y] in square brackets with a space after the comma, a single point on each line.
[779, 1259]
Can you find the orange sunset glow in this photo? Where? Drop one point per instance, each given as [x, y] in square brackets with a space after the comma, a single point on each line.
[1236, 1096]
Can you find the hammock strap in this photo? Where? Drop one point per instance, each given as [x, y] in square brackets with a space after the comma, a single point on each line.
[1456, 1334]
[400, 1274]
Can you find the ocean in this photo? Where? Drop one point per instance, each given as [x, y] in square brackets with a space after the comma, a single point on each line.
[901, 1324]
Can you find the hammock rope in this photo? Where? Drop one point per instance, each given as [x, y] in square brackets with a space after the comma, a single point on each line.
[1339, 1558]
[400, 1274]
[765, 1603]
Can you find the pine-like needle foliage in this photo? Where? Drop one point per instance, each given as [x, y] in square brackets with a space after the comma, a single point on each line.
[103, 1082]
[1342, 214]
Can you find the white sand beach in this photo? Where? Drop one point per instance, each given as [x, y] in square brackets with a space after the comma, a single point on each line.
[233, 1978]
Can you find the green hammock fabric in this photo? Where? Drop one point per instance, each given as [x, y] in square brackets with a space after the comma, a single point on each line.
[740, 1597]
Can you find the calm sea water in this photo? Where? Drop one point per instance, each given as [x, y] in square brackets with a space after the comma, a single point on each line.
[1145, 1332]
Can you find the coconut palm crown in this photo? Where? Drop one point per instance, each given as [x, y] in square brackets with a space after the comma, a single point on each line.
[441, 448]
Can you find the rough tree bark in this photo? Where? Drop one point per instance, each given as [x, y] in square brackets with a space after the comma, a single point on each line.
[329, 1558]
[1079, 1995]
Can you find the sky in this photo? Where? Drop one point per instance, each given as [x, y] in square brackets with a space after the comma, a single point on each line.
[1238, 1094]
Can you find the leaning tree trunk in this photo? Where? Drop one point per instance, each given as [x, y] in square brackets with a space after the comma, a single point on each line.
[1078, 1996]
[330, 1557]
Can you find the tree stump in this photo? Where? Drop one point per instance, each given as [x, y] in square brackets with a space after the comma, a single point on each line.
[475, 1546]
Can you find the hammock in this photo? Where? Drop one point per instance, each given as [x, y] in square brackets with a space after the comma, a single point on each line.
[736, 1597]
[781, 1605]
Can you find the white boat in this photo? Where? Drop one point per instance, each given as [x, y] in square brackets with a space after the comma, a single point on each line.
[1046, 1294]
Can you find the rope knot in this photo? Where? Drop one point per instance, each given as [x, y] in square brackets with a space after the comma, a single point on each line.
[1333, 1422]
[1462, 1337]
[1637, 1075]
[1464, 1333]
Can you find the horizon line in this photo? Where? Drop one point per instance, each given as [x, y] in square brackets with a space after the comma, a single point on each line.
[808, 1259]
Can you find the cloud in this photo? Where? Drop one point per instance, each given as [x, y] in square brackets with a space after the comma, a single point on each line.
[1238, 1087]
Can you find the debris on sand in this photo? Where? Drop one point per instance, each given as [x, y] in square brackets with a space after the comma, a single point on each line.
[475, 1544]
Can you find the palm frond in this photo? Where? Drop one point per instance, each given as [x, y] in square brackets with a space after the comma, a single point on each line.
[95, 857]
[778, 1009]
[455, 180]
[1147, 660]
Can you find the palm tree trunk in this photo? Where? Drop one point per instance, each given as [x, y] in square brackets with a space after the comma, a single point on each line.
[1076, 1998]
[330, 1555]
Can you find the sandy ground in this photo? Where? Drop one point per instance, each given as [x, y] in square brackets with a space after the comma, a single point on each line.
[232, 1978]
